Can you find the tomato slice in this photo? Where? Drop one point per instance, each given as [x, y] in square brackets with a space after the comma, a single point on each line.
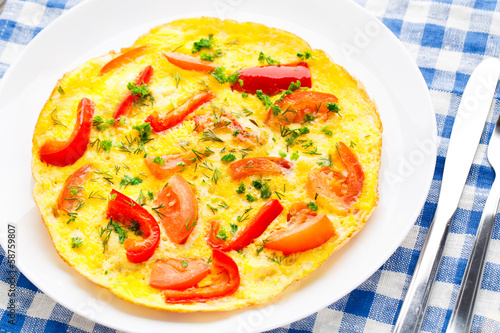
[297, 104]
[253, 229]
[168, 164]
[72, 189]
[63, 153]
[178, 274]
[225, 120]
[162, 123]
[123, 209]
[305, 230]
[143, 78]
[342, 184]
[226, 282]
[123, 59]
[272, 79]
[190, 63]
[258, 166]
[179, 212]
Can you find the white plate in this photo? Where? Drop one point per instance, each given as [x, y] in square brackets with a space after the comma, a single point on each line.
[352, 37]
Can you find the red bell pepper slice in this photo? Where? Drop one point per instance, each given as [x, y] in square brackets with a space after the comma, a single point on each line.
[178, 274]
[253, 229]
[63, 153]
[123, 59]
[257, 166]
[272, 79]
[306, 230]
[190, 63]
[72, 189]
[123, 209]
[143, 78]
[226, 283]
[160, 124]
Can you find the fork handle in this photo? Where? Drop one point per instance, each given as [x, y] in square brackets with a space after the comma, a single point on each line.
[461, 318]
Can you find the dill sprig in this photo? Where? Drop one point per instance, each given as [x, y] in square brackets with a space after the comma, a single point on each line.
[209, 135]
[55, 119]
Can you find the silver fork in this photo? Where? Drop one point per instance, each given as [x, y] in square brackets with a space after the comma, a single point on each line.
[461, 318]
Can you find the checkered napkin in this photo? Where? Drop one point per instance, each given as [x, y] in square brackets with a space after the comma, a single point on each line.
[447, 39]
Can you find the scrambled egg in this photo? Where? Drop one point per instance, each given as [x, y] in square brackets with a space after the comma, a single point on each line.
[79, 238]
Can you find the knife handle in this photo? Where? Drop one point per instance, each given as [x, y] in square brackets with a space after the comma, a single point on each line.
[461, 318]
[414, 305]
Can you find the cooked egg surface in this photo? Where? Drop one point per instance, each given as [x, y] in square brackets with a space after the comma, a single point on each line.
[79, 238]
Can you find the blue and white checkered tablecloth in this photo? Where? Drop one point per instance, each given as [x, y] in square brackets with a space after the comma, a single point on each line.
[447, 39]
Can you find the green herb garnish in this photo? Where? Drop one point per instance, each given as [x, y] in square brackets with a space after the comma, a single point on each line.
[127, 180]
[228, 158]
[76, 242]
[101, 124]
[203, 43]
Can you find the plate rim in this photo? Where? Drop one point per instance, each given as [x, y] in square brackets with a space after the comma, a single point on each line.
[421, 200]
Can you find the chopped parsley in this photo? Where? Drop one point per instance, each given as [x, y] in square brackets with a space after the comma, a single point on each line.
[308, 117]
[203, 43]
[326, 131]
[144, 132]
[141, 92]
[60, 90]
[122, 233]
[158, 160]
[220, 75]
[221, 234]
[241, 189]
[251, 198]
[106, 145]
[282, 154]
[257, 184]
[184, 263]
[266, 101]
[76, 242]
[265, 191]
[101, 124]
[268, 59]
[211, 56]
[312, 206]
[228, 158]
[305, 55]
[236, 132]
[333, 107]
[295, 156]
[127, 180]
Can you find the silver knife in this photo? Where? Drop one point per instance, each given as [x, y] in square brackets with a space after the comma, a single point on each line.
[461, 318]
[465, 135]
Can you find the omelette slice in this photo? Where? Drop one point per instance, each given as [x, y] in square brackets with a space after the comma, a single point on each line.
[206, 167]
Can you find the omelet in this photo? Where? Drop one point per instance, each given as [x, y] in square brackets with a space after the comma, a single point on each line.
[207, 166]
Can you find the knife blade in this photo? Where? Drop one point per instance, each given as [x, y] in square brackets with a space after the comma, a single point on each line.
[466, 133]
